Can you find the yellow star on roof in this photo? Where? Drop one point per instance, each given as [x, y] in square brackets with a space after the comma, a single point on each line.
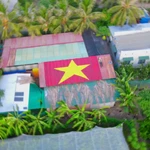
[71, 70]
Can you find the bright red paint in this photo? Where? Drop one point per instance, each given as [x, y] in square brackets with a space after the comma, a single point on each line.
[52, 76]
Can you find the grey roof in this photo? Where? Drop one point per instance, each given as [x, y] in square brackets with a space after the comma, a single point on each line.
[136, 37]
[95, 139]
[126, 29]
[133, 41]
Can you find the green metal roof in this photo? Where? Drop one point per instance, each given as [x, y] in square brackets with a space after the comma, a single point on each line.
[50, 53]
[127, 58]
[143, 57]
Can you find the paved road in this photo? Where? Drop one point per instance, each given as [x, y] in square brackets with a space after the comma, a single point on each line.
[96, 46]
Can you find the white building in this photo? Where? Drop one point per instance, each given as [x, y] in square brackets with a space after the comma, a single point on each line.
[15, 92]
[131, 44]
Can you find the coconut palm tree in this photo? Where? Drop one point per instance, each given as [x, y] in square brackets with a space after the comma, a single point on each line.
[109, 3]
[44, 17]
[26, 18]
[84, 17]
[8, 27]
[63, 12]
[125, 12]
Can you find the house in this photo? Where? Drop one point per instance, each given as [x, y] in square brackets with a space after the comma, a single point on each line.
[52, 54]
[19, 92]
[26, 52]
[14, 92]
[77, 81]
[131, 44]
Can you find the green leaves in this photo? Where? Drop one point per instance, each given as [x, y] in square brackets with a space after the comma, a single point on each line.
[15, 123]
[36, 122]
[103, 31]
[59, 120]
[125, 12]
[3, 129]
[144, 103]
[127, 93]
[53, 119]
[133, 138]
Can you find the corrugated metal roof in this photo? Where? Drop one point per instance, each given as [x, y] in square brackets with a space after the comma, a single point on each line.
[49, 53]
[133, 41]
[11, 45]
[72, 71]
[50, 39]
[99, 67]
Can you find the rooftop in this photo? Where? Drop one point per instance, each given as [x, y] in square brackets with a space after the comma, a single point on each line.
[126, 29]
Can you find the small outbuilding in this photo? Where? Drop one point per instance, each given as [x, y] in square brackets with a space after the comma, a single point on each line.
[21, 92]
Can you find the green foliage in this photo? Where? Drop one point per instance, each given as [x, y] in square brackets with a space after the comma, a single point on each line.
[80, 119]
[140, 73]
[125, 11]
[144, 72]
[84, 17]
[144, 103]
[127, 93]
[109, 3]
[15, 123]
[3, 129]
[1, 72]
[53, 120]
[145, 129]
[47, 3]
[8, 25]
[98, 114]
[133, 138]
[23, 2]
[103, 31]
[36, 123]
[51, 16]
[63, 109]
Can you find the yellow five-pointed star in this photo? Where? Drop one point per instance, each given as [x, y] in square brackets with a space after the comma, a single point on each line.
[71, 70]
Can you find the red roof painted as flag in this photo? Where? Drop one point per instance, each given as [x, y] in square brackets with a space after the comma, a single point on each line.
[71, 71]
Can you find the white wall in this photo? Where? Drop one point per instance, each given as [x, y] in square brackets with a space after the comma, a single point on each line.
[23, 88]
[9, 84]
[135, 54]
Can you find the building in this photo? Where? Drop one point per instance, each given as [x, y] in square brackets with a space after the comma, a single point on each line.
[20, 92]
[51, 53]
[77, 81]
[15, 94]
[131, 44]
[26, 52]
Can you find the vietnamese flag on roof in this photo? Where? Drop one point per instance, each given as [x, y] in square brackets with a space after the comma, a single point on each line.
[72, 71]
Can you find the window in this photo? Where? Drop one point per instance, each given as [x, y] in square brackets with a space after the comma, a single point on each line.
[127, 60]
[19, 96]
[142, 59]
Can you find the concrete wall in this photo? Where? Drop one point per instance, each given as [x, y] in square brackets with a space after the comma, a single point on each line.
[135, 54]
